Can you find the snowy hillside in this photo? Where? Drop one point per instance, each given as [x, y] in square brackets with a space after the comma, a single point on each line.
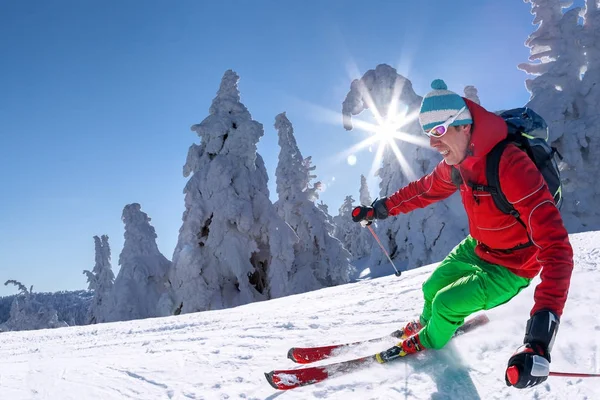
[223, 354]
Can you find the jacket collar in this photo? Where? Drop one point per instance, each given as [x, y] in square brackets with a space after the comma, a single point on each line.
[488, 130]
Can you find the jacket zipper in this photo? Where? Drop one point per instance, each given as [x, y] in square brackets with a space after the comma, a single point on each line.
[475, 197]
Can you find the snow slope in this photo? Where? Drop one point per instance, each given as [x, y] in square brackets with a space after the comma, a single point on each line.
[223, 354]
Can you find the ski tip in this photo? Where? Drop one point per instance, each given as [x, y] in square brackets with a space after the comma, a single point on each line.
[269, 376]
[290, 354]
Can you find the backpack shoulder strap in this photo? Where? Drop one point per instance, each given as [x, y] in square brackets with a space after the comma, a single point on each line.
[492, 172]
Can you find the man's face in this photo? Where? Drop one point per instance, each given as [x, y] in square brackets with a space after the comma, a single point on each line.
[453, 144]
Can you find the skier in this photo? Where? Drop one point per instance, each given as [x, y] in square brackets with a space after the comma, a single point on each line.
[500, 256]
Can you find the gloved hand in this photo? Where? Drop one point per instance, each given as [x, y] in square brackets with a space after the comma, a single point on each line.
[365, 214]
[530, 364]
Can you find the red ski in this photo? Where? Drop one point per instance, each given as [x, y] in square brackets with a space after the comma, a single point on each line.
[293, 378]
[307, 355]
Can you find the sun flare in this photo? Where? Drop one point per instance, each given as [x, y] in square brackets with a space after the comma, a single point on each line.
[384, 131]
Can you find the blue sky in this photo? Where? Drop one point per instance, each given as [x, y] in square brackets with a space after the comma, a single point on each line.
[97, 100]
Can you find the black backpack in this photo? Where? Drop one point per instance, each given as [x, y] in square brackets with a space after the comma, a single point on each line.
[528, 131]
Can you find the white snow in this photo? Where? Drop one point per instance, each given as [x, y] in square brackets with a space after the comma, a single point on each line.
[223, 354]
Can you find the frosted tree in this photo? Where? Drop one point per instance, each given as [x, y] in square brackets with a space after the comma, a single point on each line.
[100, 280]
[27, 313]
[323, 207]
[364, 195]
[142, 279]
[424, 235]
[471, 94]
[345, 229]
[71, 306]
[591, 72]
[233, 248]
[562, 92]
[383, 91]
[556, 59]
[361, 244]
[325, 210]
[319, 259]
[582, 186]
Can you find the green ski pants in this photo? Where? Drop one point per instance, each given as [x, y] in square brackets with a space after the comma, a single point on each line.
[461, 285]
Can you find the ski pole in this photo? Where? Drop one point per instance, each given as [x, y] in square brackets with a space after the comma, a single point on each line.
[574, 374]
[384, 250]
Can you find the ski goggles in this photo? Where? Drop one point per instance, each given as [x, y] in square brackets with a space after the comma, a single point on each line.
[441, 129]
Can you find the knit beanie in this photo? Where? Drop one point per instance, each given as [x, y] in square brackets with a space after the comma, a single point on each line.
[441, 104]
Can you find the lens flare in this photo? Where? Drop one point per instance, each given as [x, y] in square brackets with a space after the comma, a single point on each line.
[385, 131]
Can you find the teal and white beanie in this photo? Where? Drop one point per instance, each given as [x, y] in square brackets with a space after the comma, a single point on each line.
[441, 104]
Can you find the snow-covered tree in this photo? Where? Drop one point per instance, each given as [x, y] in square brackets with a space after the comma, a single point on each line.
[361, 245]
[346, 230]
[233, 248]
[563, 93]
[582, 187]
[26, 313]
[101, 280]
[393, 93]
[364, 195]
[142, 279]
[71, 306]
[556, 59]
[424, 235]
[471, 94]
[325, 209]
[319, 259]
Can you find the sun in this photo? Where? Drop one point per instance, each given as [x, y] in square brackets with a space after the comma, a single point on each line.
[386, 132]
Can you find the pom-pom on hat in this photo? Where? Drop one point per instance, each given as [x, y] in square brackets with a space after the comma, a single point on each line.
[440, 104]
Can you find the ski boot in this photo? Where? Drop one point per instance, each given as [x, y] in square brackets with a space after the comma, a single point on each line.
[409, 329]
[407, 346]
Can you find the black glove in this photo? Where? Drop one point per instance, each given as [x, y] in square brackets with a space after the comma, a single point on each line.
[377, 210]
[530, 365]
[363, 213]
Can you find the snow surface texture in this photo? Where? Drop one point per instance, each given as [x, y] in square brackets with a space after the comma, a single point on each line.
[223, 354]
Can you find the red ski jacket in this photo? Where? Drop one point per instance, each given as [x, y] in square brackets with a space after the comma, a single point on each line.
[525, 188]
